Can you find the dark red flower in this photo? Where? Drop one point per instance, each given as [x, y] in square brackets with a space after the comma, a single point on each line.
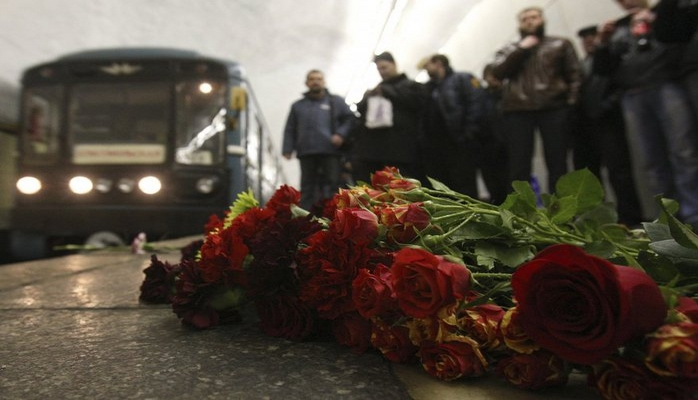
[688, 307]
[327, 267]
[283, 198]
[582, 307]
[381, 179]
[284, 316]
[452, 360]
[158, 285]
[533, 371]
[425, 282]
[352, 330]
[393, 341]
[372, 292]
[618, 378]
[192, 299]
[672, 350]
[190, 251]
[355, 224]
[404, 221]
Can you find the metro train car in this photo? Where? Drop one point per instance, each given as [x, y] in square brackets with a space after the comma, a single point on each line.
[9, 99]
[113, 142]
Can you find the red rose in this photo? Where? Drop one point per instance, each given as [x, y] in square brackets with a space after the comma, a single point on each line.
[372, 293]
[618, 378]
[582, 307]
[688, 307]
[393, 341]
[513, 335]
[452, 360]
[381, 179]
[425, 282]
[533, 371]
[355, 224]
[404, 221]
[673, 350]
[284, 316]
[352, 330]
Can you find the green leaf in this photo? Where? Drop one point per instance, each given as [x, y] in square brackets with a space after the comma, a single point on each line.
[438, 185]
[657, 231]
[660, 268]
[525, 192]
[673, 250]
[584, 186]
[563, 209]
[601, 248]
[522, 202]
[488, 252]
[679, 231]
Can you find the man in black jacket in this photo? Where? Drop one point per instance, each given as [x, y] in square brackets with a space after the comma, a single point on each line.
[541, 82]
[397, 145]
[452, 122]
[656, 107]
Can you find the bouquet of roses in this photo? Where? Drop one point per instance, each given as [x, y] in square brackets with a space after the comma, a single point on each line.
[461, 286]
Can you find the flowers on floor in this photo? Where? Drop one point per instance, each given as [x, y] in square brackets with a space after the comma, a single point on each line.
[466, 288]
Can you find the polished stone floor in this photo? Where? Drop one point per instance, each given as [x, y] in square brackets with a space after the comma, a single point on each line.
[72, 328]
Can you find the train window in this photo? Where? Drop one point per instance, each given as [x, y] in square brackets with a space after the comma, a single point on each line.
[201, 122]
[125, 123]
[41, 124]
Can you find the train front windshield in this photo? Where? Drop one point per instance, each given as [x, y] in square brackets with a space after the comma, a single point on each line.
[128, 123]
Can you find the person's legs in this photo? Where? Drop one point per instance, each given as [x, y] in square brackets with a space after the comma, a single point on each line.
[679, 128]
[616, 157]
[644, 132]
[331, 168]
[310, 179]
[519, 128]
[554, 127]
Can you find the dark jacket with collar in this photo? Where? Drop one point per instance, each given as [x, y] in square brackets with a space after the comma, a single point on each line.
[460, 100]
[545, 76]
[632, 69]
[398, 143]
[309, 126]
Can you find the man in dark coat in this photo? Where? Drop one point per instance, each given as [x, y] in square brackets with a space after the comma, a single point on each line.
[396, 145]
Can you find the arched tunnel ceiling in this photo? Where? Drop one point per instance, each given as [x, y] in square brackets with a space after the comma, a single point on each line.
[278, 41]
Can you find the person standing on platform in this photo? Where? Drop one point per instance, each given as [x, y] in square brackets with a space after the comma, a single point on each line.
[493, 160]
[452, 123]
[316, 128]
[390, 119]
[599, 134]
[541, 81]
[656, 106]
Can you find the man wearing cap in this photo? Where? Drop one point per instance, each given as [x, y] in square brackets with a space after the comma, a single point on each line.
[599, 134]
[396, 145]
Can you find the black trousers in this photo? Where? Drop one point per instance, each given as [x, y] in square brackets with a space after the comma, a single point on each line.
[602, 142]
[519, 128]
[320, 178]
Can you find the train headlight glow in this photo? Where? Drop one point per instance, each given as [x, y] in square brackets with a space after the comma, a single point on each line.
[103, 185]
[28, 185]
[126, 185]
[149, 185]
[80, 185]
[207, 185]
[205, 88]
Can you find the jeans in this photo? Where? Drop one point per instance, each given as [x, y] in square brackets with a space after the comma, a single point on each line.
[519, 128]
[320, 178]
[662, 127]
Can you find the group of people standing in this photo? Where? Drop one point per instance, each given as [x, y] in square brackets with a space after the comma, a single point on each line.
[629, 91]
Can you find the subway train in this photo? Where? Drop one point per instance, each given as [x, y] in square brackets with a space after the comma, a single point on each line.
[9, 100]
[117, 141]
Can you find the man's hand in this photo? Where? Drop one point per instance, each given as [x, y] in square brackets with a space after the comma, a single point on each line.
[337, 140]
[529, 41]
[605, 32]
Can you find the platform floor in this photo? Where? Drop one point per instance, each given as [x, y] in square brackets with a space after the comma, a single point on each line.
[72, 328]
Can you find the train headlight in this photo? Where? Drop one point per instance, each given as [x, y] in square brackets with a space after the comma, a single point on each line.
[149, 185]
[207, 185]
[126, 185]
[28, 185]
[80, 185]
[103, 185]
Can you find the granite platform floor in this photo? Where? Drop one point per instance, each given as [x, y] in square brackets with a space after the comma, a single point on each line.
[72, 328]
